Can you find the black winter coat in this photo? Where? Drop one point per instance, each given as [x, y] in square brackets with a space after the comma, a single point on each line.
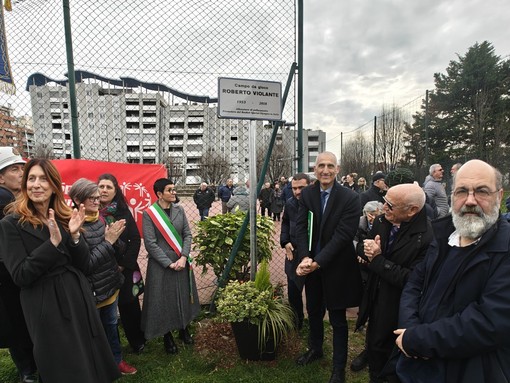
[70, 344]
[13, 328]
[288, 234]
[103, 272]
[388, 273]
[372, 194]
[203, 198]
[129, 257]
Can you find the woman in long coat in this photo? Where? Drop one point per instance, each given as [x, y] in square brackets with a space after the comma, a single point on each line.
[171, 298]
[277, 202]
[44, 253]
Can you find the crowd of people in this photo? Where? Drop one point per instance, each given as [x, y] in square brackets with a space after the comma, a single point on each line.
[426, 265]
[67, 273]
[433, 297]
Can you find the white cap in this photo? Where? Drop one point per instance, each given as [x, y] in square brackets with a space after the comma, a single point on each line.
[9, 156]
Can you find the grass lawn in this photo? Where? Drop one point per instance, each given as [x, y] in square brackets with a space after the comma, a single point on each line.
[215, 360]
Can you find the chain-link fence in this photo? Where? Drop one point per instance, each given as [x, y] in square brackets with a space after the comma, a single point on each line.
[146, 87]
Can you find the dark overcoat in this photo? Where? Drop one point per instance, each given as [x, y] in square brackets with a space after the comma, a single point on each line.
[69, 341]
[341, 279]
[129, 257]
[470, 327]
[372, 194]
[288, 234]
[13, 329]
[388, 273]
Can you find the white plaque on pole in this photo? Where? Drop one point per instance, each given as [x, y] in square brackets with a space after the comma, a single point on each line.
[249, 99]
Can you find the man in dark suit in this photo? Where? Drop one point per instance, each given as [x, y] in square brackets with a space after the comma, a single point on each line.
[288, 242]
[328, 260]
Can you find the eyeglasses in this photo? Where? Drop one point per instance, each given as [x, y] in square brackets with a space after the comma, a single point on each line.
[93, 199]
[440, 170]
[391, 206]
[172, 191]
[479, 194]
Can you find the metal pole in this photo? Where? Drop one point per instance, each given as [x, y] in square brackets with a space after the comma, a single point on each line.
[300, 85]
[242, 230]
[341, 147]
[426, 127]
[72, 80]
[375, 140]
[253, 198]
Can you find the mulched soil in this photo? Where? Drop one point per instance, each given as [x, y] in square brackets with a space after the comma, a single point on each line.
[215, 341]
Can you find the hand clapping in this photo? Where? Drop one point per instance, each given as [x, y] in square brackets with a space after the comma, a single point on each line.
[55, 235]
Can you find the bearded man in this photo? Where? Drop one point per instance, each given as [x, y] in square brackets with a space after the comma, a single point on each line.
[455, 306]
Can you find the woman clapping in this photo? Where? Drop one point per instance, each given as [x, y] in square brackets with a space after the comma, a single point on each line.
[45, 254]
[104, 275]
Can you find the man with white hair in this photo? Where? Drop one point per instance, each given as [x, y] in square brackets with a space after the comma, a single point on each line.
[397, 242]
[435, 190]
[455, 306]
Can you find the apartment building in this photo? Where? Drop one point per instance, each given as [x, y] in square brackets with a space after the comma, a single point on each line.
[120, 125]
[150, 123]
[16, 132]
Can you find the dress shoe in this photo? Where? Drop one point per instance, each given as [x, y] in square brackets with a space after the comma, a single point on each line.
[360, 362]
[30, 378]
[337, 376]
[139, 349]
[309, 357]
[170, 346]
[185, 336]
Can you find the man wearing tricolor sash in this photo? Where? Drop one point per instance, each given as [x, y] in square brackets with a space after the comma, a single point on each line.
[171, 298]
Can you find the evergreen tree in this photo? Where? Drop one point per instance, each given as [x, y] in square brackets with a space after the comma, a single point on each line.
[469, 110]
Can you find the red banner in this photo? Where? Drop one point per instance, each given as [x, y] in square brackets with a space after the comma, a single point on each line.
[135, 180]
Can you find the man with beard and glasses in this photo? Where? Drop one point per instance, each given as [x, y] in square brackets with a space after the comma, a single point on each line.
[455, 308]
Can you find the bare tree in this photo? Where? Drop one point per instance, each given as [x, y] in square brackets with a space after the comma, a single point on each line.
[357, 156]
[175, 169]
[43, 151]
[389, 137]
[214, 168]
[280, 163]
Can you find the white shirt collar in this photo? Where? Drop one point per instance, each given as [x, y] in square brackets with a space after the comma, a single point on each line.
[454, 240]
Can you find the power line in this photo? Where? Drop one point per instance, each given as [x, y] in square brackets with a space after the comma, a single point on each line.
[371, 120]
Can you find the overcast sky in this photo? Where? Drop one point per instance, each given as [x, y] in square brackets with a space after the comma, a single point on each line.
[361, 54]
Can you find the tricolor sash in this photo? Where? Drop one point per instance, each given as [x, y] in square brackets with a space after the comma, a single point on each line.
[165, 227]
[171, 236]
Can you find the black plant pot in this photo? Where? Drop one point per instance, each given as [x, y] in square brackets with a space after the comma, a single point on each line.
[247, 340]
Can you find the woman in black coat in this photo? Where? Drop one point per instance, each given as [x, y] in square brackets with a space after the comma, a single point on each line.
[114, 208]
[45, 255]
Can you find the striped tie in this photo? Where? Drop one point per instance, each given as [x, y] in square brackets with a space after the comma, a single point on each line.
[393, 236]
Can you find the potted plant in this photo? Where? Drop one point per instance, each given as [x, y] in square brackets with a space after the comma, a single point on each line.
[259, 316]
[215, 238]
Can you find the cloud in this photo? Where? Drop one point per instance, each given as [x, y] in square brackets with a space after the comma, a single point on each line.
[362, 54]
